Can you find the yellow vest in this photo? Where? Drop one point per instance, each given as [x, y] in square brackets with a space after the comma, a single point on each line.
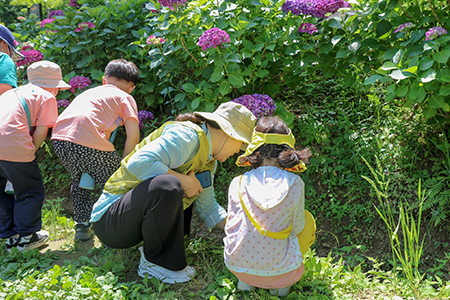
[123, 181]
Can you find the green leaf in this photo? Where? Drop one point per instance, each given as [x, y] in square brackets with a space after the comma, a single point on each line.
[342, 53]
[354, 46]
[334, 24]
[76, 48]
[436, 101]
[372, 79]
[216, 75]
[441, 57]
[236, 80]
[262, 73]
[425, 63]
[402, 90]
[383, 27]
[397, 75]
[389, 66]
[189, 88]
[391, 88]
[445, 78]
[180, 97]
[428, 76]
[247, 44]
[444, 90]
[96, 74]
[225, 88]
[421, 94]
[208, 94]
[196, 102]
[336, 39]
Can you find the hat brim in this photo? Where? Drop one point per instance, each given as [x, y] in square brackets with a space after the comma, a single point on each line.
[20, 55]
[52, 84]
[227, 127]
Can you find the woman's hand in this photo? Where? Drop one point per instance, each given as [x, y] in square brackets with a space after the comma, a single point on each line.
[190, 183]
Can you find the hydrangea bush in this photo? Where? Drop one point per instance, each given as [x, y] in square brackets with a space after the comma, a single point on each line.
[259, 105]
[206, 52]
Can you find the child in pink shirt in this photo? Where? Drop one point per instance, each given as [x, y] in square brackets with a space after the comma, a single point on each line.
[81, 135]
[25, 116]
[268, 229]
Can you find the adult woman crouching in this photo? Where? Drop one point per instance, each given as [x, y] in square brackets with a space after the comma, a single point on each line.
[149, 198]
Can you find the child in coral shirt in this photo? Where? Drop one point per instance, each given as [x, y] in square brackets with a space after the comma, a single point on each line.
[81, 136]
[268, 229]
[29, 106]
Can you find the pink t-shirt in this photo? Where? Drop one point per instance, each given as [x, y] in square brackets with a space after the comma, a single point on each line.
[16, 143]
[93, 115]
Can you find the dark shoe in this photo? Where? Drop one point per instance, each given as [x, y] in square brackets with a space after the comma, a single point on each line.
[36, 240]
[12, 242]
[83, 232]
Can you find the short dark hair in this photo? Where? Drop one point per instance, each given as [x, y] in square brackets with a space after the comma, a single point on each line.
[122, 69]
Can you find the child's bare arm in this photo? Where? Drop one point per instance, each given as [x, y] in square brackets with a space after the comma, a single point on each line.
[133, 135]
[39, 135]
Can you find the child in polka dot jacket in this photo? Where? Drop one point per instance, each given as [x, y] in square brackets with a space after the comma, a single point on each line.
[268, 229]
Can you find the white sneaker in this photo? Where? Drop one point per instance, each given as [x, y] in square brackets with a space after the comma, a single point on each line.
[242, 286]
[163, 274]
[34, 241]
[281, 292]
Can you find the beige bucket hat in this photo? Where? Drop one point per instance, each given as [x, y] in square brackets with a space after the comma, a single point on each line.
[45, 73]
[234, 119]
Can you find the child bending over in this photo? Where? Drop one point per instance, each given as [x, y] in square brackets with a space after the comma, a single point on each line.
[268, 229]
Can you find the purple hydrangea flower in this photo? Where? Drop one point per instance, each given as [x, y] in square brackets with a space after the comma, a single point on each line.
[172, 4]
[212, 38]
[54, 13]
[79, 82]
[153, 40]
[307, 28]
[31, 56]
[259, 105]
[323, 7]
[45, 22]
[83, 25]
[298, 7]
[74, 4]
[143, 115]
[63, 103]
[434, 32]
[403, 27]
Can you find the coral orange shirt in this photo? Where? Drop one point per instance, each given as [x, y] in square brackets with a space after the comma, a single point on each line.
[16, 143]
[93, 115]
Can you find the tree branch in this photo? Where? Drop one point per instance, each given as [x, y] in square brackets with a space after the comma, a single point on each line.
[184, 47]
[401, 7]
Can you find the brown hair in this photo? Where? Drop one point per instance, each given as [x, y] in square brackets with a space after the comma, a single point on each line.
[287, 157]
[196, 119]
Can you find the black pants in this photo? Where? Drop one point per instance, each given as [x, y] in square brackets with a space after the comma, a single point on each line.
[21, 213]
[151, 212]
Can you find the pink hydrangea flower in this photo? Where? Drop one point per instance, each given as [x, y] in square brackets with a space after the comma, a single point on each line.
[83, 25]
[153, 40]
[212, 38]
[45, 22]
[259, 104]
[74, 4]
[323, 7]
[31, 56]
[79, 82]
[63, 103]
[434, 32]
[172, 4]
[143, 115]
[21, 18]
[16, 43]
[307, 28]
